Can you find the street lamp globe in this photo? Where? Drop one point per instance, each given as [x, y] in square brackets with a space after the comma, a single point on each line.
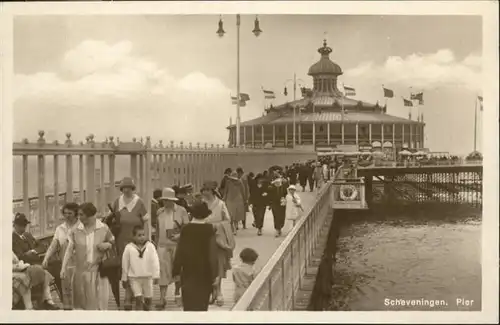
[220, 31]
[256, 31]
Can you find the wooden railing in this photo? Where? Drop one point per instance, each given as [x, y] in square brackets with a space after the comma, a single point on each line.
[459, 162]
[275, 287]
[151, 166]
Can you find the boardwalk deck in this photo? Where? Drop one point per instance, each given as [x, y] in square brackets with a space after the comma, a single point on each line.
[265, 245]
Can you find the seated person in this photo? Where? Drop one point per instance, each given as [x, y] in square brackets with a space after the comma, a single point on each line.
[27, 278]
[29, 250]
[24, 245]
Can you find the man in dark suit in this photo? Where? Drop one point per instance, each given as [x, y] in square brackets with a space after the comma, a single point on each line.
[24, 245]
[29, 250]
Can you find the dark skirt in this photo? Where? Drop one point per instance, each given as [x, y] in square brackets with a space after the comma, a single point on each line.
[195, 296]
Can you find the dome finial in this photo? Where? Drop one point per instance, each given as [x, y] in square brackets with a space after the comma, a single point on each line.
[325, 50]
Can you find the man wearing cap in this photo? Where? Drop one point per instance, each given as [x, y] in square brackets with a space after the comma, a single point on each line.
[24, 245]
[27, 249]
[171, 218]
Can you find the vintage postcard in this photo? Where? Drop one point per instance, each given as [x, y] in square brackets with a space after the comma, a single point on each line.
[254, 161]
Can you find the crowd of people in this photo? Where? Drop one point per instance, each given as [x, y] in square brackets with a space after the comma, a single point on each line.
[191, 247]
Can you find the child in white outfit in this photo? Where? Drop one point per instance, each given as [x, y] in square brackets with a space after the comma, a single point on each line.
[244, 274]
[294, 207]
[140, 268]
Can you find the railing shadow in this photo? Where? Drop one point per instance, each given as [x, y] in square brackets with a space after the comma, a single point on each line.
[275, 287]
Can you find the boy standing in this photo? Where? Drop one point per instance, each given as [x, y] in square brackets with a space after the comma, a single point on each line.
[140, 268]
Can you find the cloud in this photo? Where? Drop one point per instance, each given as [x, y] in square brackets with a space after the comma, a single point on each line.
[425, 71]
[105, 89]
[449, 85]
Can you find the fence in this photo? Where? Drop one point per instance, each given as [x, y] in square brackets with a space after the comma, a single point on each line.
[276, 285]
[458, 162]
[100, 165]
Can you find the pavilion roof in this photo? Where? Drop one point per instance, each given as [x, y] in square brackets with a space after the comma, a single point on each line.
[274, 118]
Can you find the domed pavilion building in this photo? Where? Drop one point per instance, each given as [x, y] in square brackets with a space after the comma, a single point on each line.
[321, 123]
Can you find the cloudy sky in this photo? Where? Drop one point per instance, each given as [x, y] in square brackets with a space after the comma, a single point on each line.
[171, 77]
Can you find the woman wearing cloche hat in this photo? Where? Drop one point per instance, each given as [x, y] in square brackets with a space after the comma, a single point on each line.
[129, 210]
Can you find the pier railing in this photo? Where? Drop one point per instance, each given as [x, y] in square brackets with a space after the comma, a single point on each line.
[404, 164]
[276, 285]
[78, 172]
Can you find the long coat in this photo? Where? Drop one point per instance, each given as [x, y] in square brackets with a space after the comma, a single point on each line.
[234, 196]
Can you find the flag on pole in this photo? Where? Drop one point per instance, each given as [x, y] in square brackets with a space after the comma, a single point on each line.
[268, 94]
[388, 93]
[480, 98]
[349, 91]
[244, 97]
[407, 103]
[419, 97]
[235, 101]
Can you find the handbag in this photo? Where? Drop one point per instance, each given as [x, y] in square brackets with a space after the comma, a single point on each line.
[110, 263]
[172, 234]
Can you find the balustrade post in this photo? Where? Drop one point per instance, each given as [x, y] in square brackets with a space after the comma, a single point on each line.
[56, 188]
[283, 280]
[80, 179]
[102, 191]
[133, 167]
[270, 285]
[140, 181]
[26, 194]
[148, 188]
[90, 188]
[42, 200]
[69, 179]
[112, 187]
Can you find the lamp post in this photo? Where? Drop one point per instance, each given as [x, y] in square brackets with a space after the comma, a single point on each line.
[256, 31]
[285, 92]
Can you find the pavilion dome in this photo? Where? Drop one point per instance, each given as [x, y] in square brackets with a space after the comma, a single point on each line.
[325, 66]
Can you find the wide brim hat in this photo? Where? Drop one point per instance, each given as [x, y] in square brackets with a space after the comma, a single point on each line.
[292, 187]
[200, 210]
[168, 194]
[127, 182]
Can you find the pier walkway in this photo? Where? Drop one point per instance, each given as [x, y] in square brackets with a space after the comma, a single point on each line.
[265, 245]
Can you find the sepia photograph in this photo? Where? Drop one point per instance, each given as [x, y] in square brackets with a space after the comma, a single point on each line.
[250, 160]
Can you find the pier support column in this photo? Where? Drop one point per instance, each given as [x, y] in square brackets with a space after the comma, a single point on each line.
[357, 133]
[369, 190]
[370, 133]
[244, 135]
[253, 136]
[300, 133]
[274, 135]
[286, 135]
[328, 131]
[262, 128]
[411, 136]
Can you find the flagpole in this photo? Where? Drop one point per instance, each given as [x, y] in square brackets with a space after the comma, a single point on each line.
[293, 106]
[238, 80]
[475, 124]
